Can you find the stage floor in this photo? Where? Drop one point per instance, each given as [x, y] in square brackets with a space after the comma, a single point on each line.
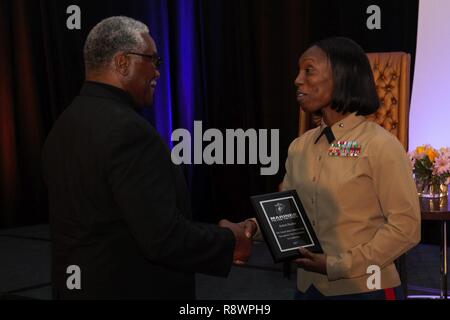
[25, 271]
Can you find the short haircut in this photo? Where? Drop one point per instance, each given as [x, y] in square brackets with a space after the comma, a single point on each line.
[353, 84]
[110, 36]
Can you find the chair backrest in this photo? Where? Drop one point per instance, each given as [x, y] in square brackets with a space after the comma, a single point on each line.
[391, 71]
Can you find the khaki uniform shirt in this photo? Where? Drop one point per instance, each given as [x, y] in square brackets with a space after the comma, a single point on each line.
[364, 209]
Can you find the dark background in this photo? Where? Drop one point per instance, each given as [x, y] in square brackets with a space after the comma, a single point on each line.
[244, 55]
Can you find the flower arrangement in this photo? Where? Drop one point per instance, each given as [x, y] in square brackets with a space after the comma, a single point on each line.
[431, 168]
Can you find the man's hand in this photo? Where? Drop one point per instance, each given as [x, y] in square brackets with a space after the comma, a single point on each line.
[314, 262]
[243, 246]
[250, 228]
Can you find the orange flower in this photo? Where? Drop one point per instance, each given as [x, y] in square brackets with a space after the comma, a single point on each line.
[432, 154]
[420, 150]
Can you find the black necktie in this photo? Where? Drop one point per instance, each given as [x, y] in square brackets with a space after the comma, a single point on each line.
[328, 133]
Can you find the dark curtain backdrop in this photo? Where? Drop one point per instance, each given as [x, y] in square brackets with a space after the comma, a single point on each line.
[228, 63]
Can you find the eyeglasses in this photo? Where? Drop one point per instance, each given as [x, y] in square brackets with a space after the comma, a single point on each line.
[154, 58]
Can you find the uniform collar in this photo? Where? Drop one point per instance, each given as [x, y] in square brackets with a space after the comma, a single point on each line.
[328, 133]
[339, 128]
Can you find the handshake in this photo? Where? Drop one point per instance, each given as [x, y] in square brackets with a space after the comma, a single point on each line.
[243, 234]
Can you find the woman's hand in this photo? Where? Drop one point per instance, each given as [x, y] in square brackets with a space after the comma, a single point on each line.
[314, 262]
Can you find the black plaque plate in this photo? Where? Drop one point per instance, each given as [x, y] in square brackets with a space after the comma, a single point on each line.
[285, 225]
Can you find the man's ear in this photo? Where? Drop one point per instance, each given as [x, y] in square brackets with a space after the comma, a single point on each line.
[122, 63]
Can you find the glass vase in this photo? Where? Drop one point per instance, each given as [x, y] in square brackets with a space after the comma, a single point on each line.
[430, 190]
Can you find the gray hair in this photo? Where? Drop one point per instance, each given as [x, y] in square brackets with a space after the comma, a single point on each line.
[110, 36]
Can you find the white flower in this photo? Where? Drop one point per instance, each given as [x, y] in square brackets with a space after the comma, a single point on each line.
[441, 165]
[412, 157]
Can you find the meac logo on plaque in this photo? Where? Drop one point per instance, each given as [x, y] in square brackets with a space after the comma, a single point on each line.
[279, 208]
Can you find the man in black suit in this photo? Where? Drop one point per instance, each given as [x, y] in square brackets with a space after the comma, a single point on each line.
[119, 208]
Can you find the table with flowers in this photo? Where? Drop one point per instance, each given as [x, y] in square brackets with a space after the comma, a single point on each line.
[431, 169]
[439, 210]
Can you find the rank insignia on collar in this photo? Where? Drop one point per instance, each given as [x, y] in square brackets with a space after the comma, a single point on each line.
[345, 149]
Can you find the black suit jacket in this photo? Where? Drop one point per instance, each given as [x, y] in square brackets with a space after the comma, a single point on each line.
[119, 208]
